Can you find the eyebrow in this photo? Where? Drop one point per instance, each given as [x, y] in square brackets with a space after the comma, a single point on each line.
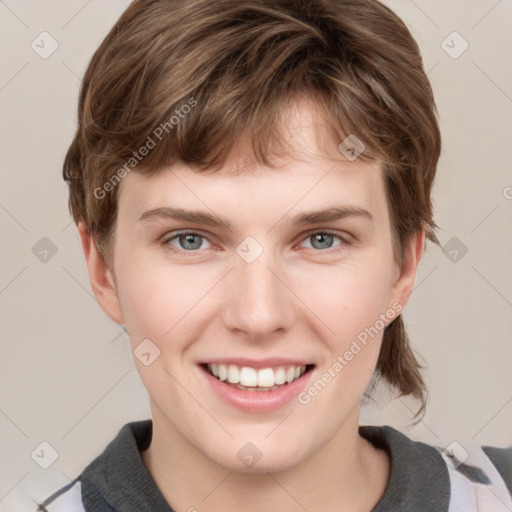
[211, 219]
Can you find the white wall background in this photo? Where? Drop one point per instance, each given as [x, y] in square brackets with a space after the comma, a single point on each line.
[66, 373]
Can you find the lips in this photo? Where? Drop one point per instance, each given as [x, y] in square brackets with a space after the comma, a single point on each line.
[256, 375]
[256, 386]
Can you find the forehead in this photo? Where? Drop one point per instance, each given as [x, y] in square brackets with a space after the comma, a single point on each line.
[312, 174]
[263, 197]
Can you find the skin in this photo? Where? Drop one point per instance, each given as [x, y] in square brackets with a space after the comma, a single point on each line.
[298, 298]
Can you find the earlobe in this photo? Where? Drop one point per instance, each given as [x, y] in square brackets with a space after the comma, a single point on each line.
[101, 278]
[403, 285]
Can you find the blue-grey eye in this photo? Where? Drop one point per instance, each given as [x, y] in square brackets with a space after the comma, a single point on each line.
[187, 241]
[322, 240]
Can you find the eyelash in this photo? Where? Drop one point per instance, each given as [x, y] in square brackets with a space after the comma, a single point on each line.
[345, 241]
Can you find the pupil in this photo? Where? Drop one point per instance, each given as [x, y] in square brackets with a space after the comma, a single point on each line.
[321, 236]
[189, 240]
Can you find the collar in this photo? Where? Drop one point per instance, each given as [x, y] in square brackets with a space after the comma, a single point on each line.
[419, 478]
[118, 480]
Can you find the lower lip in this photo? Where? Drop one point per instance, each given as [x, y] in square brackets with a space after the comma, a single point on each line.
[257, 401]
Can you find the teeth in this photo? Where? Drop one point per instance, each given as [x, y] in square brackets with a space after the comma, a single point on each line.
[280, 376]
[223, 372]
[266, 378]
[233, 374]
[250, 377]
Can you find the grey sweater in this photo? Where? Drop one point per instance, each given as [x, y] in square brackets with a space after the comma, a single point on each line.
[118, 481]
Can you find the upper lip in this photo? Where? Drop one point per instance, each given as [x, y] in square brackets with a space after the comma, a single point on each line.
[258, 363]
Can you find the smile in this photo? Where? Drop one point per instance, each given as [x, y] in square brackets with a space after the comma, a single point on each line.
[256, 389]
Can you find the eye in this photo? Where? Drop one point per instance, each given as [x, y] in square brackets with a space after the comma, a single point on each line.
[190, 241]
[187, 241]
[322, 240]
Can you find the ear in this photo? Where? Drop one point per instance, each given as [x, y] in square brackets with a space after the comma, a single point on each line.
[404, 277]
[102, 281]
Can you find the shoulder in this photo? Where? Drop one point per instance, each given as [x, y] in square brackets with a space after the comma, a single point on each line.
[501, 458]
[479, 477]
[456, 477]
[65, 499]
[418, 476]
[104, 480]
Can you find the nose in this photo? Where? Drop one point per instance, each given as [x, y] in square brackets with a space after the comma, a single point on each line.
[258, 301]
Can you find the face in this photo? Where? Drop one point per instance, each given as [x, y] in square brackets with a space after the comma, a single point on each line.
[282, 280]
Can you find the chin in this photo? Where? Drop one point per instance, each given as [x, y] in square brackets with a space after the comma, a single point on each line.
[248, 458]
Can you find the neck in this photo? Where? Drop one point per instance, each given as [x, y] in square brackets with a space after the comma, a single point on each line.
[348, 473]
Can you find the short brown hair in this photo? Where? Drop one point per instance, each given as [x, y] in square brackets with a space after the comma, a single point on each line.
[239, 64]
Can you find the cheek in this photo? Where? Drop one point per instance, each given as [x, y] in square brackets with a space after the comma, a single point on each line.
[158, 304]
[350, 299]
[352, 306]
[157, 297]
[353, 303]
